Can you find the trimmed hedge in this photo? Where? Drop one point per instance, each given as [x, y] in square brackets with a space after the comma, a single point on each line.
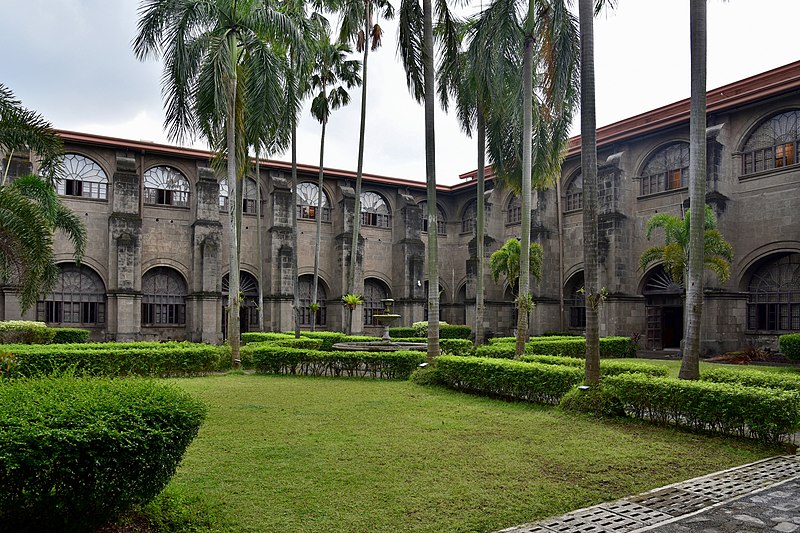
[70, 335]
[385, 365]
[607, 368]
[576, 346]
[75, 453]
[25, 332]
[116, 359]
[454, 331]
[753, 378]
[500, 350]
[402, 332]
[302, 343]
[264, 336]
[533, 382]
[790, 345]
[502, 340]
[764, 414]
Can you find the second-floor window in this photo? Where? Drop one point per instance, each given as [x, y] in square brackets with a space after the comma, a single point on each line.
[166, 186]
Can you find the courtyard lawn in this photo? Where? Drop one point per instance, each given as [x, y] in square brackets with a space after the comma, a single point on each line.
[285, 453]
[674, 366]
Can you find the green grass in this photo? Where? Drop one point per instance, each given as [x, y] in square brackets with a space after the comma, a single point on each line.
[284, 453]
[674, 366]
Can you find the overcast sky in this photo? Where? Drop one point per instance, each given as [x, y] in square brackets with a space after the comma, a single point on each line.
[71, 60]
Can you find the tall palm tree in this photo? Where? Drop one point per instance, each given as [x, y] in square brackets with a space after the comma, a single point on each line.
[332, 75]
[359, 23]
[221, 70]
[526, 142]
[690, 364]
[416, 43]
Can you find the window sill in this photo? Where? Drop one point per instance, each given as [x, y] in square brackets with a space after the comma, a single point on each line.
[659, 194]
[163, 326]
[87, 198]
[363, 226]
[770, 172]
[168, 206]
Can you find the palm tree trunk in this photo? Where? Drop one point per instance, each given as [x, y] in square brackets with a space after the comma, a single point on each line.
[559, 215]
[690, 365]
[430, 176]
[260, 247]
[295, 284]
[318, 215]
[481, 228]
[351, 274]
[525, 237]
[234, 327]
[589, 172]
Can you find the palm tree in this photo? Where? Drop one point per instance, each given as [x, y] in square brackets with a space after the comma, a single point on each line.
[674, 254]
[331, 67]
[23, 129]
[526, 145]
[221, 70]
[358, 23]
[690, 364]
[507, 262]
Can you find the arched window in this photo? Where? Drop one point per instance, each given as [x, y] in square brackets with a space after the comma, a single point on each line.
[468, 217]
[666, 170]
[774, 300]
[575, 302]
[514, 210]
[166, 186]
[248, 287]
[307, 201]
[79, 297]
[374, 292]
[249, 196]
[374, 210]
[773, 144]
[306, 287]
[163, 298]
[82, 177]
[573, 198]
[441, 221]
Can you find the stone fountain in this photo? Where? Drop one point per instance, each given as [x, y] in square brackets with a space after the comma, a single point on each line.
[386, 319]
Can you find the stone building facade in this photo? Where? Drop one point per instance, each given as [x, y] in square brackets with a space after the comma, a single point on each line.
[157, 217]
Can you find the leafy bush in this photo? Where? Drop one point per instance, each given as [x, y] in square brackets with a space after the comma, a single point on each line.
[421, 328]
[502, 340]
[765, 414]
[386, 365]
[25, 332]
[402, 332]
[592, 400]
[74, 453]
[753, 378]
[607, 368]
[460, 347]
[302, 342]
[556, 333]
[262, 336]
[327, 338]
[790, 345]
[505, 350]
[454, 331]
[116, 359]
[425, 376]
[576, 346]
[70, 335]
[533, 382]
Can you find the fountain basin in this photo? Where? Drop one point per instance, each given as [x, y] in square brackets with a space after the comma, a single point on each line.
[380, 346]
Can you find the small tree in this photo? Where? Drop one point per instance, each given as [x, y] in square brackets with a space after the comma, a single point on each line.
[351, 301]
[506, 262]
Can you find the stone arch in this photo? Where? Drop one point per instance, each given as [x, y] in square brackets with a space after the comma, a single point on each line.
[164, 291]
[773, 289]
[165, 185]
[78, 297]
[82, 176]
[771, 141]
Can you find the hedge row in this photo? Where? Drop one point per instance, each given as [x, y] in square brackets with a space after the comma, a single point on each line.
[509, 379]
[386, 365]
[764, 414]
[402, 332]
[74, 453]
[70, 335]
[576, 346]
[753, 378]
[790, 345]
[607, 368]
[115, 359]
[328, 338]
[29, 332]
[500, 350]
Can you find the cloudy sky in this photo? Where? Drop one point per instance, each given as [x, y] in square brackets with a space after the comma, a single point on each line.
[71, 60]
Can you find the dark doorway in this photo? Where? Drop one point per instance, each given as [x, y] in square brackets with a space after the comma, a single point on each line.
[664, 305]
[671, 327]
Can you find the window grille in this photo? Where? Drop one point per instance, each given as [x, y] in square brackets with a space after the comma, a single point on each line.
[308, 202]
[82, 177]
[306, 287]
[374, 210]
[774, 296]
[79, 297]
[18, 167]
[514, 212]
[248, 287]
[374, 292]
[666, 170]
[163, 298]
[166, 186]
[574, 194]
[469, 216]
[774, 144]
[441, 222]
[576, 303]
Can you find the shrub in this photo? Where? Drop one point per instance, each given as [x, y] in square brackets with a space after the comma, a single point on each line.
[509, 379]
[753, 378]
[426, 376]
[576, 346]
[25, 332]
[503, 350]
[790, 345]
[302, 342]
[421, 328]
[594, 400]
[402, 332]
[461, 347]
[116, 359]
[327, 338]
[556, 333]
[386, 365]
[607, 368]
[765, 414]
[75, 453]
[262, 336]
[502, 340]
[454, 331]
[70, 335]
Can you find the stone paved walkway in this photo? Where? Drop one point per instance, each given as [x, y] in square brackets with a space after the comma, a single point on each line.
[762, 496]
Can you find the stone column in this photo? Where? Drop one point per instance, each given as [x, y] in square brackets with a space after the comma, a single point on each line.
[280, 294]
[344, 226]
